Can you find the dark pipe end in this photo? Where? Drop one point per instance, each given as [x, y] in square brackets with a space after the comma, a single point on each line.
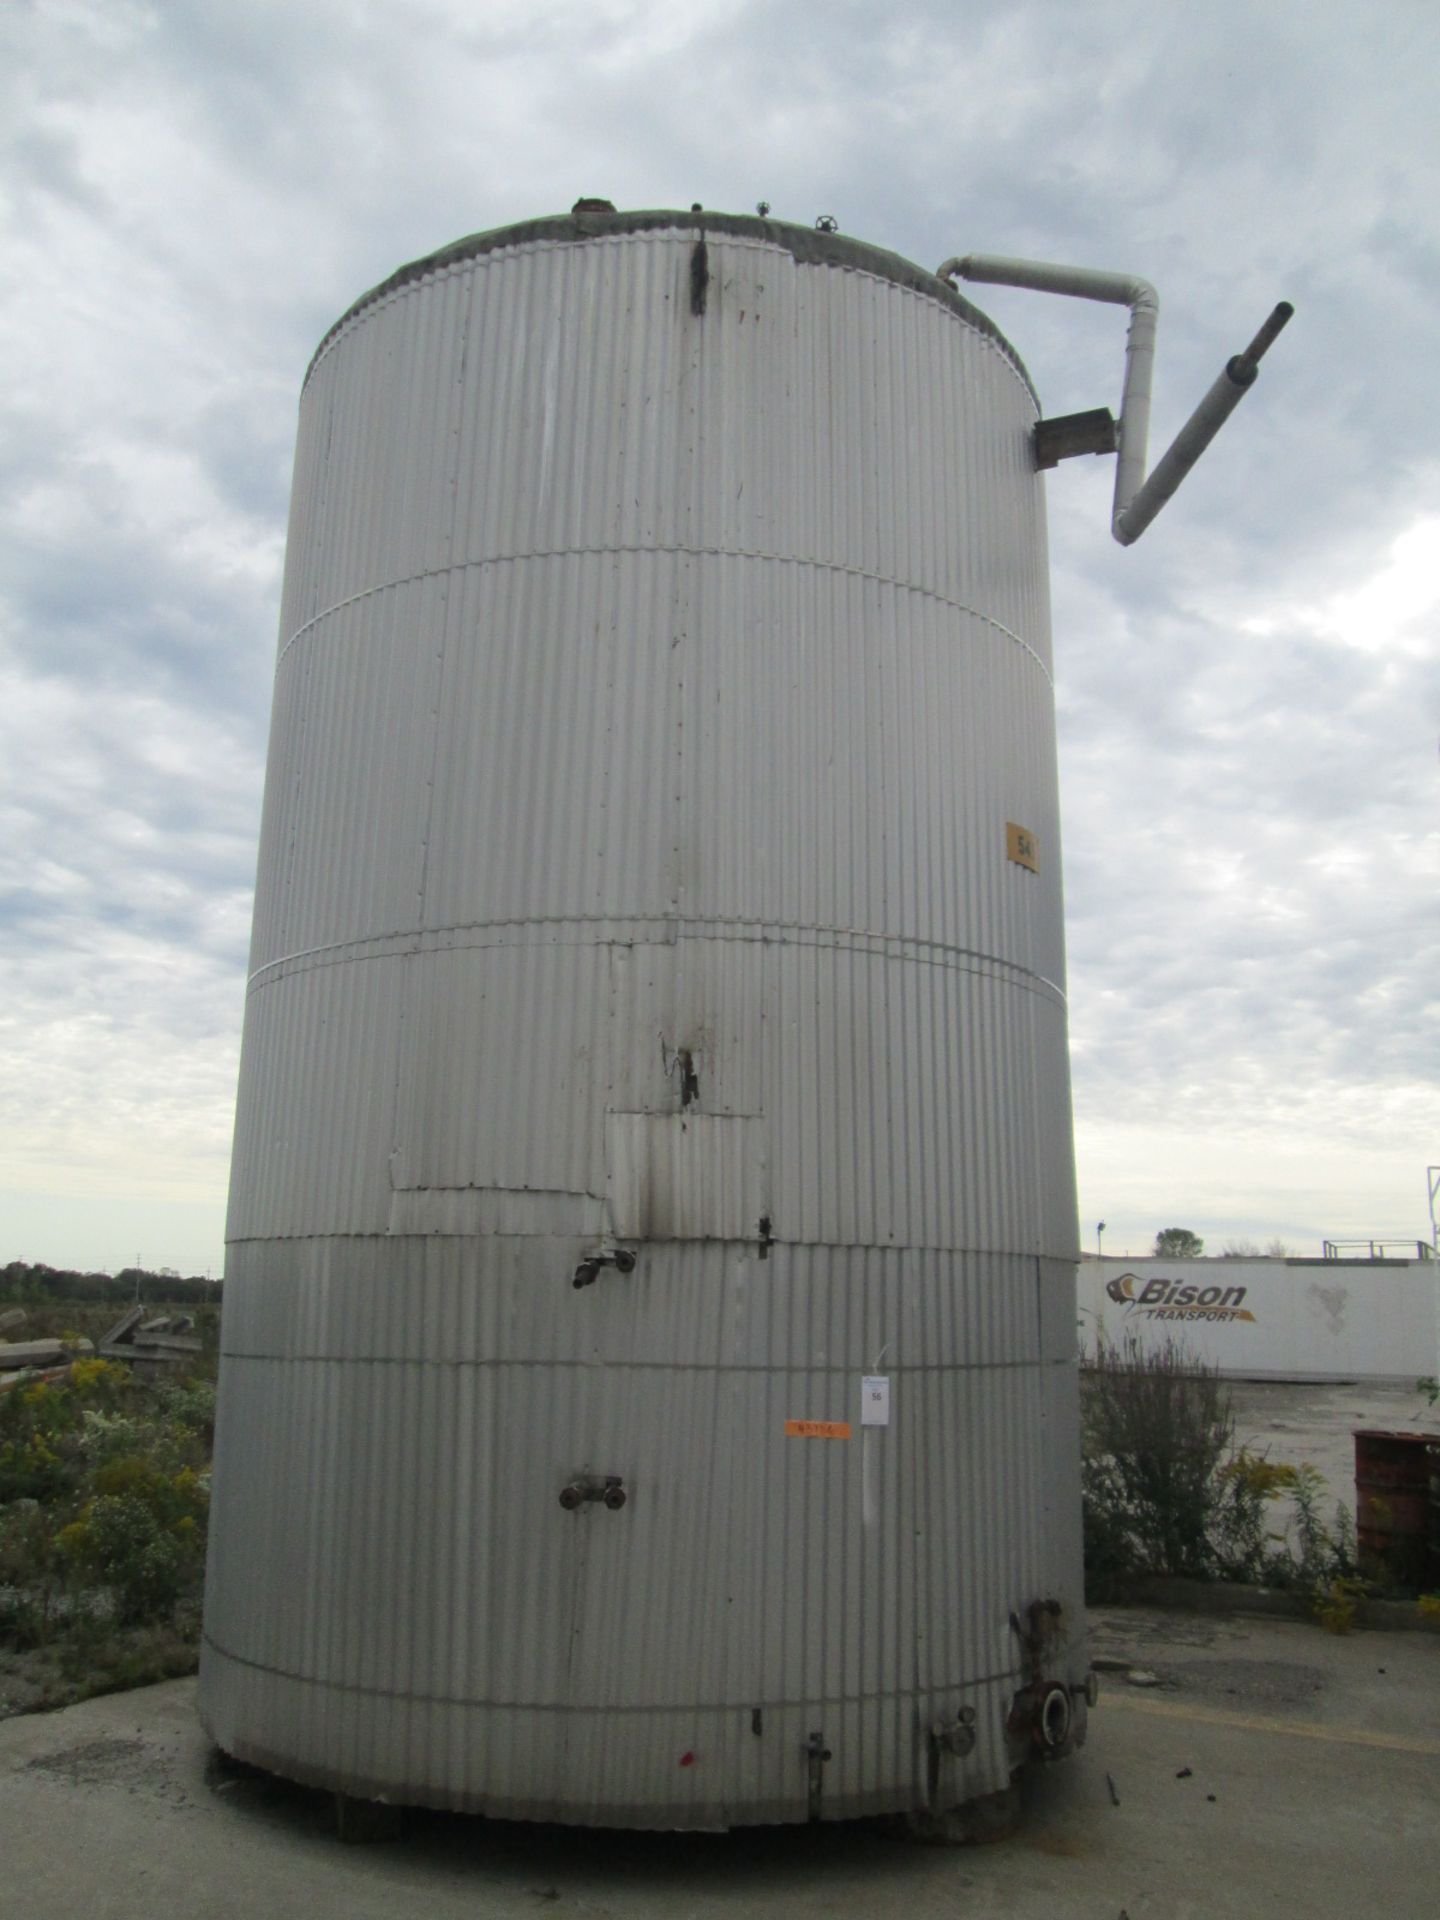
[1270, 332]
[1053, 1718]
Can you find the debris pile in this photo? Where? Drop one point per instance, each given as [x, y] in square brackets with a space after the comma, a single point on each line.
[48, 1358]
[152, 1346]
[29, 1360]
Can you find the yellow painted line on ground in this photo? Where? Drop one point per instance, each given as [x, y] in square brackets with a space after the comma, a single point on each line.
[1255, 1723]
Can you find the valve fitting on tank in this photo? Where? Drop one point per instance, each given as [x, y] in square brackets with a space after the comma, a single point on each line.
[1046, 1718]
[951, 1740]
[1043, 1721]
[588, 1271]
[610, 1492]
[955, 1737]
[1052, 1719]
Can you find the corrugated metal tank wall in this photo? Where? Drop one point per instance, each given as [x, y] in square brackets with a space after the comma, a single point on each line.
[664, 663]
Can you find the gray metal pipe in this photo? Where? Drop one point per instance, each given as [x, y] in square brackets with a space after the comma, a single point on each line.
[1137, 499]
[1117, 289]
[1199, 430]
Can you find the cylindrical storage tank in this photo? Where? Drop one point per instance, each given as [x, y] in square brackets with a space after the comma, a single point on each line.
[649, 1389]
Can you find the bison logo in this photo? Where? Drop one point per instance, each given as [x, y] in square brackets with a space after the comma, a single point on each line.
[1177, 1299]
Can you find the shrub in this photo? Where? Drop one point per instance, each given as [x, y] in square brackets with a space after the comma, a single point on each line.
[104, 1491]
[1337, 1605]
[28, 1576]
[1242, 1540]
[1156, 1432]
[141, 1537]
[41, 1425]
[121, 1543]
[187, 1408]
[1165, 1492]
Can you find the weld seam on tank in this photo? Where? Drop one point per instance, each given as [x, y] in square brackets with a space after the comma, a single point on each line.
[436, 1362]
[679, 552]
[789, 1704]
[985, 967]
[412, 941]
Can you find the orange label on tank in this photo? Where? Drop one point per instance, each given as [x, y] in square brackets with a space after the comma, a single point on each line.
[817, 1429]
[1020, 845]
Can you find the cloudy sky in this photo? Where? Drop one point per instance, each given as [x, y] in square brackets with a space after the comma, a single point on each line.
[192, 190]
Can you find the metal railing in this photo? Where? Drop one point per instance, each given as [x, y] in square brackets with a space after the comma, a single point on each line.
[1377, 1250]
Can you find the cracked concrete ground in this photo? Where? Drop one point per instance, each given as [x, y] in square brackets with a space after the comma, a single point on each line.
[1269, 1768]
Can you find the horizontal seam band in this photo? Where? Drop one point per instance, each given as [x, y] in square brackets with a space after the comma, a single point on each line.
[694, 553]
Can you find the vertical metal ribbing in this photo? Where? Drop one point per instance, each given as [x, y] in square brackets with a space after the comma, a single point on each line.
[643, 672]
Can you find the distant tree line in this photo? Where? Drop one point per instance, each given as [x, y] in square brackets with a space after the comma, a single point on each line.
[1182, 1243]
[26, 1283]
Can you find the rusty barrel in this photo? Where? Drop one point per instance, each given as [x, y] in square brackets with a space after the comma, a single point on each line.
[1395, 1504]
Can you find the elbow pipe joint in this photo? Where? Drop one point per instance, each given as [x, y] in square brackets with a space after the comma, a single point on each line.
[1138, 498]
[1114, 289]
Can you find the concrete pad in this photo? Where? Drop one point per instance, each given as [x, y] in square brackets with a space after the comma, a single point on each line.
[1322, 1756]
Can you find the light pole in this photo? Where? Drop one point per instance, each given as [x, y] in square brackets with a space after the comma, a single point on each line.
[1099, 1235]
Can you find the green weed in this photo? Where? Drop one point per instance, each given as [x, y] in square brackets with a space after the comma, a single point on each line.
[1167, 1492]
[104, 1496]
